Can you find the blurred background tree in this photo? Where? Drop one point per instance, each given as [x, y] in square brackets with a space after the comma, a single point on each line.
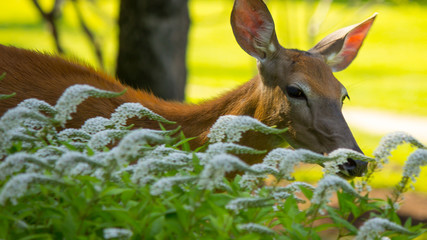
[152, 43]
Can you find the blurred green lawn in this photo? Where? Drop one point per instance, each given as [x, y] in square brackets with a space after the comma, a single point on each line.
[389, 73]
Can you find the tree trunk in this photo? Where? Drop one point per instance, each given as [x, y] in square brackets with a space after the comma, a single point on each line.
[152, 46]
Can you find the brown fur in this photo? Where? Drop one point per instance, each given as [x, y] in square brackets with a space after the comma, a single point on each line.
[35, 75]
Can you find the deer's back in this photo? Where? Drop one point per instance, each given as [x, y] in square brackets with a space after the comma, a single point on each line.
[32, 74]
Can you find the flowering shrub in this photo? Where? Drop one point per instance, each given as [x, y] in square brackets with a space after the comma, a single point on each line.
[69, 185]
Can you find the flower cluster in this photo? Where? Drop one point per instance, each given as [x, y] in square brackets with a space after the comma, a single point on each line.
[19, 185]
[257, 228]
[230, 128]
[73, 96]
[412, 166]
[326, 186]
[372, 227]
[36, 153]
[130, 110]
[70, 152]
[215, 169]
[390, 142]
[117, 233]
[239, 204]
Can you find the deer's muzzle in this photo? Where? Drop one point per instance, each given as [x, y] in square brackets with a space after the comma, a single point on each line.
[352, 168]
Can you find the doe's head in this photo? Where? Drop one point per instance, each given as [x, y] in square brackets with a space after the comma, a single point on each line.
[307, 97]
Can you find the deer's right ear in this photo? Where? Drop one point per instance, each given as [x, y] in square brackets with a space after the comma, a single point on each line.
[341, 47]
[253, 28]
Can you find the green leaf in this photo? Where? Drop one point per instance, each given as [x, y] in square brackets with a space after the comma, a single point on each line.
[408, 223]
[291, 206]
[196, 164]
[6, 96]
[325, 226]
[346, 203]
[308, 193]
[37, 236]
[111, 191]
[69, 146]
[340, 221]
[184, 142]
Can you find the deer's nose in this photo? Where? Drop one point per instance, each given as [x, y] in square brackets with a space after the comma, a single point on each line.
[353, 168]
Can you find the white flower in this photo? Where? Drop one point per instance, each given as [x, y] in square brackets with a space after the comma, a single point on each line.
[413, 164]
[230, 128]
[96, 124]
[259, 173]
[160, 151]
[20, 134]
[339, 157]
[49, 154]
[287, 159]
[362, 185]
[101, 139]
[257, 228]
[130, 110]
[373, 227]
[242, 203]
[131, 145]
[165, 184]
[215, 169]
[119, 233]
[38, 105]
[326, 186]
[281, 195]
[296, 186]
[392, 141]
[147, 166]
[73, 96]
[71, 160]
[15, 162]
[16, 116]
[74, 135]
[81, 169]
[220, 147]
[18, 186]
[100, 174]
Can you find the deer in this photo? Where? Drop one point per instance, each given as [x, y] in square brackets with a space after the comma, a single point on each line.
[293, 89]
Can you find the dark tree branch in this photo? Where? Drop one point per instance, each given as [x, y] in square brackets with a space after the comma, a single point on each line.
[89, 35]
[50, 18]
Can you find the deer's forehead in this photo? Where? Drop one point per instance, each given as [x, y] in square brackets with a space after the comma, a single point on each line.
[312, 73]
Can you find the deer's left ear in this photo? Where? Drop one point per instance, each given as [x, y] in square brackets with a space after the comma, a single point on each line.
[340, 47]
[253, 28]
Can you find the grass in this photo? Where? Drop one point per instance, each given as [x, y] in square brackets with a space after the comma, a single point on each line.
[388, 73]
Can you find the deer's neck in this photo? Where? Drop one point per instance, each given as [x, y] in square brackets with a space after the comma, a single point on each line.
[196, 119]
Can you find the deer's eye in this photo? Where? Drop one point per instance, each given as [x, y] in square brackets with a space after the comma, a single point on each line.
[295, 92]
[344, 97]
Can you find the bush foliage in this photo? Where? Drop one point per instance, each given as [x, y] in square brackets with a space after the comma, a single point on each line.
[71, 184]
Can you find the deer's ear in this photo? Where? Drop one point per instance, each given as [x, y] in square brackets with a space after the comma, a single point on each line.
[253, 28]
[340, 47]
